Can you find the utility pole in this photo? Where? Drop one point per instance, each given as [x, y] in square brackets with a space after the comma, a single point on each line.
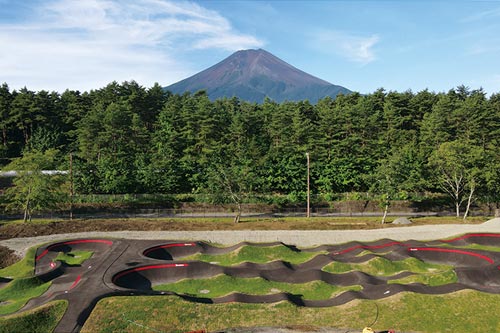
[308, 188]
[71, 190]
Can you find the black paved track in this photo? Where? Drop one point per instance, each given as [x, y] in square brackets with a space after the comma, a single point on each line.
[134, 267]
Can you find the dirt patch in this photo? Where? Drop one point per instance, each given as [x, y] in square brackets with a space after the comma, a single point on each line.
[7, 257]
[16, 230]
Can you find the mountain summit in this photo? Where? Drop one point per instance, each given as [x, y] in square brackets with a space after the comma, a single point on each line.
[253, 75]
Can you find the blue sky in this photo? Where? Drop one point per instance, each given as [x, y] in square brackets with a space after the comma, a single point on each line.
[362, 45]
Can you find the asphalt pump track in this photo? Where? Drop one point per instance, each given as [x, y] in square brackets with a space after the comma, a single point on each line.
[120, 267]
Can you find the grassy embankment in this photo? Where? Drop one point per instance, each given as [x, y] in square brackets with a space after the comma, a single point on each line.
[42, 319]
[23, 286]
[18, 292]
[221, 285]
[74, 258]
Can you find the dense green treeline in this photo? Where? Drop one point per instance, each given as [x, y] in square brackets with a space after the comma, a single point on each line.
[129, 139]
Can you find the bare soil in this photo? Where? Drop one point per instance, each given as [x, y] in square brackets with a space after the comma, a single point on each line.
[7, 257]
[16, 229]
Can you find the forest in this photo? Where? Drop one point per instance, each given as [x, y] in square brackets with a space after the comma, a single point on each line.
[125, 138]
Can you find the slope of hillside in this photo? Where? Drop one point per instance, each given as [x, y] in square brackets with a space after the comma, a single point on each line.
[253, 75]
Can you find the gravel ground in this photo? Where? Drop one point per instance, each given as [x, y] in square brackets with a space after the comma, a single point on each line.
[300, 238]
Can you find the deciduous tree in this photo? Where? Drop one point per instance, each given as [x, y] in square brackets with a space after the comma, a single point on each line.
[34, 190]
[457, 169]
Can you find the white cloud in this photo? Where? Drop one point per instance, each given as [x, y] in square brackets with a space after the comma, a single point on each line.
[227, 42]
[354, 48]
[86, 44]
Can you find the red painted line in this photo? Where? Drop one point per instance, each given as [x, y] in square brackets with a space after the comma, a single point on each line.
[438, 249]
[471, 235]
[79, 277]
[402, 244]
[369, 247]
[105, 241]
[166, 246]
[145, 268]
[42, 254]
[81, 241]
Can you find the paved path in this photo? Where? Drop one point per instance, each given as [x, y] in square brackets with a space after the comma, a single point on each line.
[300, 238]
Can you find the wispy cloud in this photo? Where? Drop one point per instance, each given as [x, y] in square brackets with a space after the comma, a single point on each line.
[484, 15]
[356, 48]
[484, 48]
[482, 30]
[86, 44]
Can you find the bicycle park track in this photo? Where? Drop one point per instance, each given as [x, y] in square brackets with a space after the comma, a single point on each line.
[133, 267]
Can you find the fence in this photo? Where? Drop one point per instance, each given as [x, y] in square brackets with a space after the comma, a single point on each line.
[210, 213]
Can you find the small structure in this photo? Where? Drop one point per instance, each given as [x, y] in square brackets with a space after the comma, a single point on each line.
[402, 221]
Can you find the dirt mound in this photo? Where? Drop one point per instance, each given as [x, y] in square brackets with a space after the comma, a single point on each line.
[7, 257]
[17, 230]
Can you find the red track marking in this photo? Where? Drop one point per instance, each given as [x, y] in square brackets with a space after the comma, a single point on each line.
[166, 246]
[79, 277]
[42, 254]
[369, 247]
[470, 235]
[402, 244]
[438, 249]
[145, 268]
[105, 241]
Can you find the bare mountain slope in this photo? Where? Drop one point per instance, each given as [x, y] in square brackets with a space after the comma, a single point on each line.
[253, 75]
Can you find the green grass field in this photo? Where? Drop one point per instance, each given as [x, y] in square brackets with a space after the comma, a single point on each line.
[379, 266]
[257, 254]
[425, 273]
[40, 320]
[461, 312]
[74, 258]
[222, 285]
[431, 279]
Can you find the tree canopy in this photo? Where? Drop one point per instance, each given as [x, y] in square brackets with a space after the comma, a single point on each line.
[130, 139]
